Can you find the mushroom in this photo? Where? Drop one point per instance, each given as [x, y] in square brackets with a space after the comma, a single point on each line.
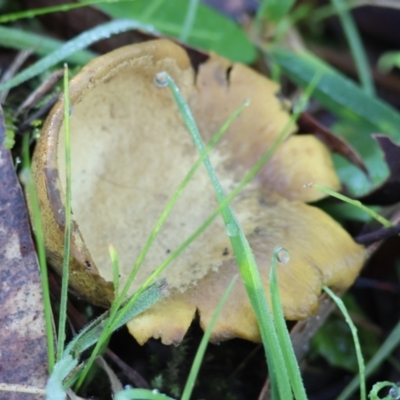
[130, 150]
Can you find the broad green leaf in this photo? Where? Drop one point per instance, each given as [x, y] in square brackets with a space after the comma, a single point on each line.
[210, 30]
[361, 114]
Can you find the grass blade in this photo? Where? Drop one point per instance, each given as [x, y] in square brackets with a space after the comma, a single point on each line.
[27, 179]
[41, 45]
[204, 342]
[189, 19]
[80, 42]
[361, 367]
[338, 94]
[67, 232]
[244, 258]
[48, 10]
[281, 254]
[392, 341]
[356, 46]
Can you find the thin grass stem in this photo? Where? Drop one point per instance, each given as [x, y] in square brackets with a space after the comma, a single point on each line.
[67, 223]
[189, 20]
[39, 238]
[360, 360]
[356, 47]
[356, 203]
[204, 342]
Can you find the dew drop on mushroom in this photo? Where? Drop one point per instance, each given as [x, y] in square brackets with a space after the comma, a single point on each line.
[282, 255]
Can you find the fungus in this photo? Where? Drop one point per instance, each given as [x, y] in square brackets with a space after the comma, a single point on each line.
[130, 150]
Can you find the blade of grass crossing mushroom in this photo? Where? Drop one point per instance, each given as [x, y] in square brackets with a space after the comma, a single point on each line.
[204, 342]
[360, 360]
[85, 39]
[114, 319]
[356, 203]
[249, 176]
[244, 258]
[27, 180]
[169, 207]
[356, 46]
[67, 222]
[281, 255]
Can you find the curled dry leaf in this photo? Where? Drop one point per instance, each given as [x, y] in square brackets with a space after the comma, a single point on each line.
[131, 150]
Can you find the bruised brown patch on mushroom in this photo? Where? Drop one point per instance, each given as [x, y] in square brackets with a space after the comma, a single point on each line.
[131, 150]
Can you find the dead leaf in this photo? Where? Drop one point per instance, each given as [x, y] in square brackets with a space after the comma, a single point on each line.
[23, 356]
[336, 144]
[131, 150]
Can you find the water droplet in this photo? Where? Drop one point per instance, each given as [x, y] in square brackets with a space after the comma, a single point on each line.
[161, 79]
[155, 391]
[232, 229]
[246, 102]
[394, 393]
[282, 255]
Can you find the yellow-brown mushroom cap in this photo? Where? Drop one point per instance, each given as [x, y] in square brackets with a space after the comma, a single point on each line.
[131, 150]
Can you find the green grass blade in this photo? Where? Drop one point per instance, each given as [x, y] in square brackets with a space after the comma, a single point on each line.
[27, 179]
[99, 332]
[281, 255]
[244, 258]
[189, 19]
[204, 342]
[356, 46]
[356, 203]
[20, 40]
[48, 10]
[249, 176]
[392, 341]
[80, 42]
[115, 320]
[67, 232]
[171, 203]
[337, 93]
[361, 367]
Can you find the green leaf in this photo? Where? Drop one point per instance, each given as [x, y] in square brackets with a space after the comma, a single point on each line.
[361, 113]
[210, 30]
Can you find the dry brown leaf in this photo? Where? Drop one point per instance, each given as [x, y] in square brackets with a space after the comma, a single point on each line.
[23, 355]
[131, 150]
